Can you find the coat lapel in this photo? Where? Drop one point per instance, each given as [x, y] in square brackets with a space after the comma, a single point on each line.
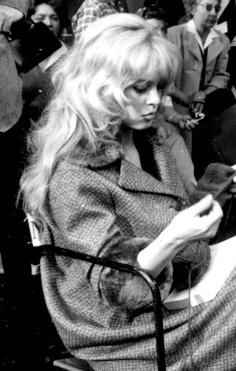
[166, 180]
[192, 45]
[214, 49]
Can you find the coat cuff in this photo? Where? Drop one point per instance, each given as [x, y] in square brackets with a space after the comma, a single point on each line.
[127, 291]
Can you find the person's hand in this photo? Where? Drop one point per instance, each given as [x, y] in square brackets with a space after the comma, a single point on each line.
[184, 121]
[191, 123]
[197, 102]
[200, 221]
[8, 16]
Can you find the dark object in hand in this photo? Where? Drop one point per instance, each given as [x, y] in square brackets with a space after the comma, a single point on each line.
[31, 44]
[216, 180]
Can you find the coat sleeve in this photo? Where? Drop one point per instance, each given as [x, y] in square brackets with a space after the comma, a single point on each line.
[221, 76]
[11, 84]
[89, 224]
[21, 5]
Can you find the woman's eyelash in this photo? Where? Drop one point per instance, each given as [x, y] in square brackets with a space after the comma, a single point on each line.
[141, 89]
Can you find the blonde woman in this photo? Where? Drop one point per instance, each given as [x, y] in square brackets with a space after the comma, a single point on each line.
[98, 182]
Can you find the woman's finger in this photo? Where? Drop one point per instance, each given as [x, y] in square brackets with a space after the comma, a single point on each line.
[203, 205]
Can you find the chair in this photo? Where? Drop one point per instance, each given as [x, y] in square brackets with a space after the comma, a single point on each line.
[74, 364]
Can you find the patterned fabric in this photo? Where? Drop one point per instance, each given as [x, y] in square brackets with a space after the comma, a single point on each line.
[89, 11]
[11, 84]
[106, 199]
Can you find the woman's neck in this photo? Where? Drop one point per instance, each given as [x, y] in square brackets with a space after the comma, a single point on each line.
[203, 33]
[130, 150]
[127, 137]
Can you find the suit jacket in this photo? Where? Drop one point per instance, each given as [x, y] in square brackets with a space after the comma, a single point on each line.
[189, 76]
[106, 206]
[11, 84]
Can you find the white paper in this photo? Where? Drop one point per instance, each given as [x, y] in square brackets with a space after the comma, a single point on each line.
[223, 260]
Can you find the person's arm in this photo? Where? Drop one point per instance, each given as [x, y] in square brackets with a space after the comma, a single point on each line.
[220, 78]
[184, 122]
[12, 11]
[179, 96]
[11, 84]
[89, 223]
[189, 225]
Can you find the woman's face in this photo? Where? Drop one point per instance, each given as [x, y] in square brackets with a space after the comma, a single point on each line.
[143, 101]
[46, 14]
[205, 13]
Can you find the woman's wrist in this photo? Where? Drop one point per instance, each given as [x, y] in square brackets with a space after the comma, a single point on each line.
[160, 252]
[172, 118]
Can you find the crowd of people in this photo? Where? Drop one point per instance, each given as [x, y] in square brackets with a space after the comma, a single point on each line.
[106, 142]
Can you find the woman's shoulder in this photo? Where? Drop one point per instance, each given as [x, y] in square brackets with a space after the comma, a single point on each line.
[222, 37]
[176, 32]
[77, 169]
[179, 28]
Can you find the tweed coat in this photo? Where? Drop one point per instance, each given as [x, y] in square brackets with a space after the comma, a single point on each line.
[11, 85]
[188, 79]
[94, 205]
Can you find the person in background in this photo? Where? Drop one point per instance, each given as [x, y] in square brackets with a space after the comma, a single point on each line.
[202, 83]
[204, 57]
[227, 24]
[37, 86]
[98, 182]
[89, 11]
[172, 123]
[173, 10]
[14, 124]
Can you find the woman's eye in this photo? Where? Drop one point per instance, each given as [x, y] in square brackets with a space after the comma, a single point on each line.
[38, 19]
[140, 89]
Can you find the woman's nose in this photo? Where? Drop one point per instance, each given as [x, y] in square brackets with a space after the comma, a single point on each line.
[154, 97]
[47, 21]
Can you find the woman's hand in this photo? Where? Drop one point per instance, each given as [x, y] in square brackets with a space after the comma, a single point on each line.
[200, 221]
[197, 102]
[185, 122]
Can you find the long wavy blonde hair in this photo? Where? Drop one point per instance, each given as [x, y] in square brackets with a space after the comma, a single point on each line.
[88, 105]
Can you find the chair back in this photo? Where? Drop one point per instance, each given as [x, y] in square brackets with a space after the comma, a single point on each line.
[40, 250]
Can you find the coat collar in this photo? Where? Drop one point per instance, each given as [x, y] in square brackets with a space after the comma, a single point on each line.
[214, 48]
[134, 179]
[164, 181]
